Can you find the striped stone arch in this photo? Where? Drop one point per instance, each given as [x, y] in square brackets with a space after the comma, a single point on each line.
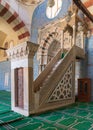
[12, 18]
[45, 43]
[47, 40]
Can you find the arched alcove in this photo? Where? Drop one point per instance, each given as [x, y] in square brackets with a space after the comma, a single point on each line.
[48, 49]
[53, 49]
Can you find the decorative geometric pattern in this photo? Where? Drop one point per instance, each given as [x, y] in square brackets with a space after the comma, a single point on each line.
[79, 40]
[64, 88]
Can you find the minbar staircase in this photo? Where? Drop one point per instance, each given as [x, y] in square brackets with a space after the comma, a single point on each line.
[55, 86]
[51, 73]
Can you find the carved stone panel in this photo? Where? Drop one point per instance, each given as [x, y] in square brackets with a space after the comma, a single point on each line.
[19, 88]
[67, 41]
[64, 88]
[78, 40]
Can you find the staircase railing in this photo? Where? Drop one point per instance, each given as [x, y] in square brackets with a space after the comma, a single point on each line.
[48, 87]
[60, 71]
[46, 71]
[69, 57]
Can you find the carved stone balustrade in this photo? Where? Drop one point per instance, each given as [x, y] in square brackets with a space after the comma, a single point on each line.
[24, 50]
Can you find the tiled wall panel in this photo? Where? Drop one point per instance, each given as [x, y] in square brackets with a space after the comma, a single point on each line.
[5, 75]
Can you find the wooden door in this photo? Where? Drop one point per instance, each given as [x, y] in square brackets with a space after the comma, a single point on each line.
[84, 90]
[19, 88]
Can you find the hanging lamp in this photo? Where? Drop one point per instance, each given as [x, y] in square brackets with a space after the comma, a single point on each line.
[50, 3]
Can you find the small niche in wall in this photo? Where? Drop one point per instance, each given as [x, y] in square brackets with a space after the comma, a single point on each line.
[5, 46]
[11, 43]
[6, 81]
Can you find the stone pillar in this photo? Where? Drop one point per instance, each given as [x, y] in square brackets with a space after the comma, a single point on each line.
[62, 40]
[82, 40]
[74, 34]
[21, 56]
[80, 36]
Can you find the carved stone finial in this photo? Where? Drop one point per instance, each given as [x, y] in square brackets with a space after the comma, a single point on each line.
[88, 33]
[68, 17]
[80, 26]
[75, 8]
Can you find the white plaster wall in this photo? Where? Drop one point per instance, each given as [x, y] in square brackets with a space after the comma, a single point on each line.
[22, 63]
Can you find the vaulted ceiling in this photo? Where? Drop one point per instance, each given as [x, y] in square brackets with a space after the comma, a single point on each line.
[30, 2]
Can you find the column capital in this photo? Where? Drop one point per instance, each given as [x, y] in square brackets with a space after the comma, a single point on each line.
[74, 26]
[23, 50]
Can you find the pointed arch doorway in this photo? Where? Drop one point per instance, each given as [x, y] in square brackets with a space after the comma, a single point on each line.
[49, 53]
[53, 49]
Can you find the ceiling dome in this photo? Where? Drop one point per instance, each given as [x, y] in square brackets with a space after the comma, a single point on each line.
[30, 2]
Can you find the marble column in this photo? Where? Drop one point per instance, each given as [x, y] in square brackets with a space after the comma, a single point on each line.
[74, 34]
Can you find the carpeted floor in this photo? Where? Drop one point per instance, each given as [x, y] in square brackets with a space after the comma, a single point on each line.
[75, 117]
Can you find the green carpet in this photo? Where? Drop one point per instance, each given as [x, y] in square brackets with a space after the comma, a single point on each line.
[78, 116]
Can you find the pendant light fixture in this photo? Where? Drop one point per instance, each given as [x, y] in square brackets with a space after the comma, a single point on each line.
[50, 3]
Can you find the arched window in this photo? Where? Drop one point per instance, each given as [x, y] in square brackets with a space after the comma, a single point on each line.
[53, 8]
